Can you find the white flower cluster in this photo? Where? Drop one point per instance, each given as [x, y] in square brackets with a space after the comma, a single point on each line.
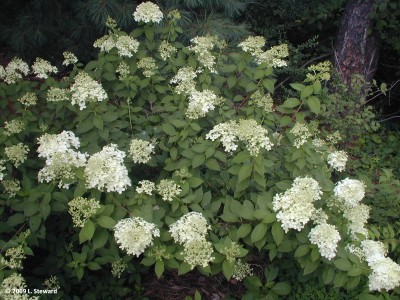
[320, 71]
[168, 189]
[140, 151]
[350, 191]
[146, 187]
[17, 153]
[11, 187]
[296, 206]
[2, 168]
[13, 257]
[13, 127]
[105, 43]
[42, 68]
[334, 137]
[61, 158]
[118, 267]
[126, 45]
[190, 231]
[69, 58]
[166, 50]
[261, 100]
[148, 64]
[81, 209]
[326, 237]
[357, 217]
[241, 270]
[135, 234]
[52, 283]
[254, 136]
[86, 89]
[14, 282]
[385, 272]
[148, 12]
[106, 170]
[14, 70]
[337, 160]
[273, 57]
[123, 70]
[253, 45]
[184, 80]
[55, 94]
[200, 103]
[301, 132]
[203, 46]
[28, 99]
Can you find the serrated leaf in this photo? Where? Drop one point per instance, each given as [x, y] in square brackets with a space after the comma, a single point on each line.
[34, 222]
[212, 164]
[243, 231]
[277, 233]
[291, 102]
[100, 238]
[297, 86]
[159, 268]
[281, 288]
[227, 269]
[87, 232]
[98, 122]
[245, 172]
[269, 84]
[301, 250]
[198, 160]
[342, 264]
[306, 91]
[93, 266]
[168, 129]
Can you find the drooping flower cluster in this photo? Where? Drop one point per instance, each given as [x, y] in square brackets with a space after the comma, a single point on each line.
[301, 133]
[69, 58]
[148, 65]
[184, 80]
[190, 231]
[320, 71]
[148, 12]
[146, 187]
[135, 234]
[357, 217]
[123, 70]
[385, 272]
[254, 136]
[337, 160]
[55, 94]
[61, 158]
[14, 70]
[202, 46]
[42, 68]
[11, 187]
[106, 170]
[168, 189]
[28, 99]
[17, 154]
[13, 127]
[86, 89]
[200, 103]
[140, 151]
[326, 237]
[166, 50]
[81, 209]
[296, 206]
[118, 267]
[261, 100]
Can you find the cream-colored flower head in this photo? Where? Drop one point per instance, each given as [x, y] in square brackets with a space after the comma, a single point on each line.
[148, 12]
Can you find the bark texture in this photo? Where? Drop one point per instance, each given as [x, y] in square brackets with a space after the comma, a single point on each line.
[356, 50]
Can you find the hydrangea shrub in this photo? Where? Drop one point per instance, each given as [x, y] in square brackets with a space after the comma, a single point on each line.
[160, 156]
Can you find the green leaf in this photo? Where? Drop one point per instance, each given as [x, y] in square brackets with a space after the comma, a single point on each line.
[93, 266]
[306, 91]
[343, 264]
[227, 269]
[31, 208]
[15, 219]
[340, 280]
[259, 232]
[328, 275]
[291, 102]
[297, 86]
[106, 222]
[100, 238]
[34, 222]
[98, 122]
[168, 129]
[277, 233]
[198, 160]
[243, 231]
[314, 104]
[197, 295]
[245, 172]
[194, 182]
[301, 250]
[367, 297]
[269, 84]
[159, 268]
[86, 232]
[212, 164]
[281, 288]
[149, 32]
[228, 68]
[231, 81]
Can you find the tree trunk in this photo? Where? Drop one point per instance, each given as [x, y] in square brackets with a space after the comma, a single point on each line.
[356, 50]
